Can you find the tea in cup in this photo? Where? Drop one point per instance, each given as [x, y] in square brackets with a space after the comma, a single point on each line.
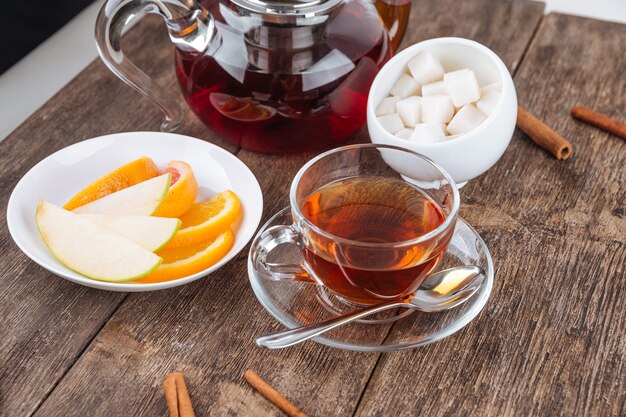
[365, 231]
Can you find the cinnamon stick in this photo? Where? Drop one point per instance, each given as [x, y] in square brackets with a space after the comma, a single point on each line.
[177, 396]
[543, 135]
[271, 394]
[599, 120]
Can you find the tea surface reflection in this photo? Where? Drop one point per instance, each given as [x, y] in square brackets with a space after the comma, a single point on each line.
[372, 210]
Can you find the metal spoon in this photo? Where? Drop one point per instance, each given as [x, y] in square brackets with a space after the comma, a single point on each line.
[441, 291]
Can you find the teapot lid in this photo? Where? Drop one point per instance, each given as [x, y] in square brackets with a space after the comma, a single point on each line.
[288, 8]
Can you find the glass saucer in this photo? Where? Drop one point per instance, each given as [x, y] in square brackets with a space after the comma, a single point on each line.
[296, 304]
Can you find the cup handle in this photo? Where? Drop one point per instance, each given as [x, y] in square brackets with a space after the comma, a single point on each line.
[264, 244]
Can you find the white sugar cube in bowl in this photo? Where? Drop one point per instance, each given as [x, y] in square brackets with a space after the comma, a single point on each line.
[438, 88]
[437, 109]
[410, 110]
[428, 133]
[476, 82]
[387, 106]
[465, 120]
[405, 86]
[462, 87]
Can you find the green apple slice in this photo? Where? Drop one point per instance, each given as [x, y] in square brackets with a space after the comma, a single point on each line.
[90, 249]
[142, 199]
[149, 232]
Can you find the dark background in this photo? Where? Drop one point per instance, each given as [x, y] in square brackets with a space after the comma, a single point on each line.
[24, 24]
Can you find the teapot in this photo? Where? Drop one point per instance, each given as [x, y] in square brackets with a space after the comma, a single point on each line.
[271, 76]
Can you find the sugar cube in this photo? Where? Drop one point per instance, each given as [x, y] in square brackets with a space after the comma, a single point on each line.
[387, 106]
[492, 86]
[404, 133]
[405, 86]
[462, 87]
[427, 133]
[391, 123]
[465, 120]
[434, 89]
[488, 101]
[410, 110]
[426, 68]
[437, 109]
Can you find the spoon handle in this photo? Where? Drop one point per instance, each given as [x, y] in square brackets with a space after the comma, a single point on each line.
[300, 334]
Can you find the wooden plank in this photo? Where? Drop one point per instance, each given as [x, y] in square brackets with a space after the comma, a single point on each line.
[505, 26]
[49, 321]
[551, 339]
[206, 329]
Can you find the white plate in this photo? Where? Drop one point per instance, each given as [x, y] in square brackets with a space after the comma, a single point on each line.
[61, 175]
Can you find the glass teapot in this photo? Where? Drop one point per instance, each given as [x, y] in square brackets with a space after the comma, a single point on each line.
[268, 75]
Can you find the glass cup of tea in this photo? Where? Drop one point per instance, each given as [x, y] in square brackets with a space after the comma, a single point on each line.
[370, 230]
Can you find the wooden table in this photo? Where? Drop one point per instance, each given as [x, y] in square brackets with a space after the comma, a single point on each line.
[551, 340]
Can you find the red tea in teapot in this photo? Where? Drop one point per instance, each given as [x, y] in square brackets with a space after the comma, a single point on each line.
[267, 100]
[267, 75]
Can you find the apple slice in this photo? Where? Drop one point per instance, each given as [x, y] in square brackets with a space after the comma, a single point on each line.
[90, 249]
[149, 232]
[142, 199]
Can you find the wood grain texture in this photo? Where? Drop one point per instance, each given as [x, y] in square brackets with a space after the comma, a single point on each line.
[551, 339]
[206, 329]
[504, 26]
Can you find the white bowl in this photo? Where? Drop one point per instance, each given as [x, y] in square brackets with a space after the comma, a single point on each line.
[469, 155]
[64, 173]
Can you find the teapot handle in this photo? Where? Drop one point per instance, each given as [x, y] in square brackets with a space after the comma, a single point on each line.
[191, 28]
[395, 15]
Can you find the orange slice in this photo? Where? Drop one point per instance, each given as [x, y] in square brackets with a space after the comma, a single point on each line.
[183, 190]
[204, 221]
[188, 260]
[132, 173]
